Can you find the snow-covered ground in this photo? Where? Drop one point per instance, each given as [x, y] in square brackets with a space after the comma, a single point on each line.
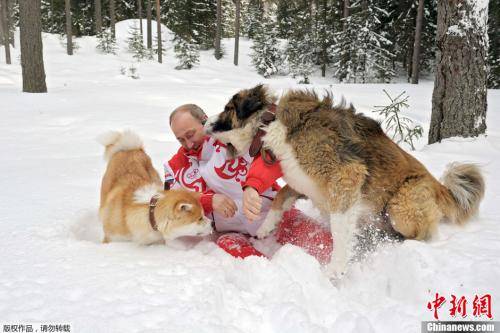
[54, 269]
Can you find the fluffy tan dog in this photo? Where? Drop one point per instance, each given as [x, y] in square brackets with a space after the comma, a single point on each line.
[346, 165]
[134, 206]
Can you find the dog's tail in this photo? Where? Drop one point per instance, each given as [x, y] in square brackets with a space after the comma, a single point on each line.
[115, 141]
[462, 193]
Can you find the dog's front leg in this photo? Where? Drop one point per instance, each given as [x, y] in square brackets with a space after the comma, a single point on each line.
[284, 200]
[343, 227]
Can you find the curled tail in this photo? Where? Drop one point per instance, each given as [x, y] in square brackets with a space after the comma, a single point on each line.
[115, 141]
[464, 191]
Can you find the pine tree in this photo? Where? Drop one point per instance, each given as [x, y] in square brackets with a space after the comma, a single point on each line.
[194, 19]
[228, 16]
[136, 44]
[187, 52]
[155, 49]
[205, 13]
[83, 17]
[300, 50]
[105, 42]
[327, 22]
[266, 55]
[252, 15]
[284, 17]
[53, 18]
[361, 51]
[401, 30]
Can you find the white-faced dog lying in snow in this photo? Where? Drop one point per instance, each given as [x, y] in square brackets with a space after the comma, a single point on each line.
[134, 206]
[347, 166]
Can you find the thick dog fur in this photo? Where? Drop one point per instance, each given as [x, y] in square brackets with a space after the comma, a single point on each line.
[127, 187]
[348, 167]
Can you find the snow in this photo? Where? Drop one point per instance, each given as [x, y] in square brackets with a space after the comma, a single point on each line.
[54, 268]
[476, 18]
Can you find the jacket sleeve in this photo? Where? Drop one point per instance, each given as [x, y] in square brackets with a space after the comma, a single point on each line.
[262, 176]
[171, 168]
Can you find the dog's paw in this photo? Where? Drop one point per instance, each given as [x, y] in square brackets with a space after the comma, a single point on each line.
[269, 224]
[264, 231]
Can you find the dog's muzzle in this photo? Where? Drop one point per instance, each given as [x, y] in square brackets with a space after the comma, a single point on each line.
[209, 125]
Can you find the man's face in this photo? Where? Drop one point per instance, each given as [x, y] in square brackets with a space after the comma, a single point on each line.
[188, 130]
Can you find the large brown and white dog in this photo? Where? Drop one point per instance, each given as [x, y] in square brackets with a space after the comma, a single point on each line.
[347, 166]
[134, 206]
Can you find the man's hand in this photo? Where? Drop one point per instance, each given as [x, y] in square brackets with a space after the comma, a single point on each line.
[224, 205]
[252, 203]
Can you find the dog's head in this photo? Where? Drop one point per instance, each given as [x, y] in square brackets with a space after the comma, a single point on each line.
[178, 213]
[238, 123]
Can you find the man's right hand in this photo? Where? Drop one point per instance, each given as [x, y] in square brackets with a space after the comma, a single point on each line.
[224, 205]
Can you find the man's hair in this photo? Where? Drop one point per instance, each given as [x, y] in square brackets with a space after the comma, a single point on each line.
[193, 109]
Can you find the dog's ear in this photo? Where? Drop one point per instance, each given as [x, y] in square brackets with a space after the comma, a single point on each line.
[184, 207]
[252, 101]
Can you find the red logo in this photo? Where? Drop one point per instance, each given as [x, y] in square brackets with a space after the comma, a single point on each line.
[480, 306]
[235, 168]
[190, 178]
[218, 145]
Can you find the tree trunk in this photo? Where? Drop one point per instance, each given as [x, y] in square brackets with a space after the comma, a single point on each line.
[139, 14]
[346, 12]
[409, 66]
[31, 46]
[324, 51]
[10, 20]
[416, 45]
[5, 29]
[237, 33]
[218, 32]
[459, 97]
[69, 30]
[148, 25]
[112, 17]
[98, 17]
[1, 22]
[158, 28]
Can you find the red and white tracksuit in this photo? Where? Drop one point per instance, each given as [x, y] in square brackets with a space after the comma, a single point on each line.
[208, 171]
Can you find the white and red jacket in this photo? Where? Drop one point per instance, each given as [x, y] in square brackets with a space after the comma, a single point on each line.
[208, 171]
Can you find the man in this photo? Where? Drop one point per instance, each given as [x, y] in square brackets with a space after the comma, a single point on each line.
[236, 193]
[201, 165]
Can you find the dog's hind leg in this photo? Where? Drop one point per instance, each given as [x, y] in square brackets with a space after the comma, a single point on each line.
[283, 201]
[413, 210]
